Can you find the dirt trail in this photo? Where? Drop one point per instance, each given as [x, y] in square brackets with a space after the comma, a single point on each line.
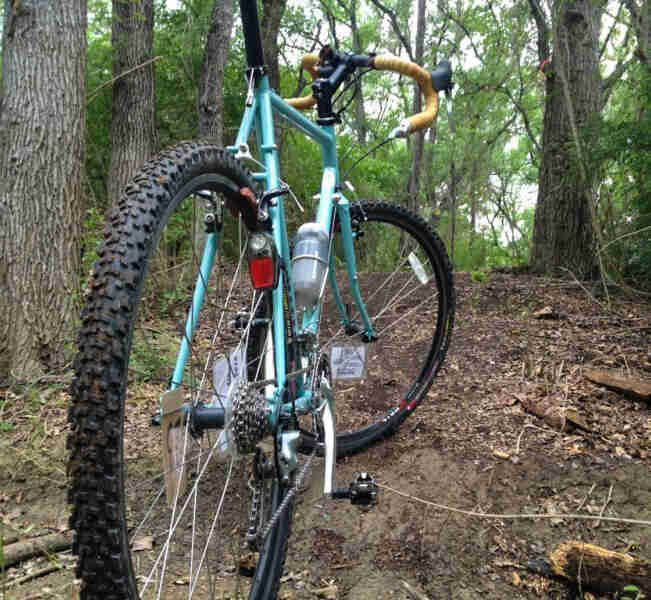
[472, 445]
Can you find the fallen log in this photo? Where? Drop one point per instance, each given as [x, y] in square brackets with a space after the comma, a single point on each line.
[631, 386]
[599, 569]
[45, 544]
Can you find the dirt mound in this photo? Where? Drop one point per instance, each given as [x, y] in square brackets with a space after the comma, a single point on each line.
[475, 444]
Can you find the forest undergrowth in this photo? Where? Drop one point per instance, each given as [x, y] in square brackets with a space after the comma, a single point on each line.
[512, 425]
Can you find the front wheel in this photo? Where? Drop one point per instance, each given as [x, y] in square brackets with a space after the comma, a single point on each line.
[406, 283]
[164, 512]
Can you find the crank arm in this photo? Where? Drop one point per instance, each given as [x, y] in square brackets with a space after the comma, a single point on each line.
[329, 422]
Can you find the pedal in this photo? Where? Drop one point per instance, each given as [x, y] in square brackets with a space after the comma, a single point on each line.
[361, 492]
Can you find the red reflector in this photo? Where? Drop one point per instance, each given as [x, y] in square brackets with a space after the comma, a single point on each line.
[262, 272]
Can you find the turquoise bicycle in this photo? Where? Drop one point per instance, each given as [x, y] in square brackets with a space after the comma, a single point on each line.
[248, 352]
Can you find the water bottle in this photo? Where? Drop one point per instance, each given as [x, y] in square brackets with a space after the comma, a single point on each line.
[309, 264]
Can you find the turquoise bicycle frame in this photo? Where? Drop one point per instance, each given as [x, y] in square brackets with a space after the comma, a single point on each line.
[258, 117]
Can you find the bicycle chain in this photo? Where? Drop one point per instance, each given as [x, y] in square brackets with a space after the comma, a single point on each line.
[257, 538]
[260, 537]
[249, 420]
[256, 484]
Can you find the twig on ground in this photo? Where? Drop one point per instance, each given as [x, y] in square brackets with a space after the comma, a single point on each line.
[590, 295]
[482, 515]
[414, 592]
[603, 508]
[38, 573]
[346, 565]
[585, 498]
[528, 426]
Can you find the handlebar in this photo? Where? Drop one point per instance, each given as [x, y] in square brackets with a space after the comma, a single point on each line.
[429, 83]
[308, 63]
[423, 119]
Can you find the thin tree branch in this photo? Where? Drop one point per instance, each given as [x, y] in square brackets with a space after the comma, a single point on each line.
[616, 21]
[94, 93]
[543, 30]
[609, 83]
[396, 27]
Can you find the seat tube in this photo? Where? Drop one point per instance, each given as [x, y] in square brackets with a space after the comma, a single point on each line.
[269, 153]
[251, 30]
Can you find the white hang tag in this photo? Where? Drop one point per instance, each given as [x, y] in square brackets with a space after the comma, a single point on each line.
[348, 362]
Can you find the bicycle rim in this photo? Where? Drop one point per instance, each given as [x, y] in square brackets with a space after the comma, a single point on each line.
[146, 528]
[405, 281]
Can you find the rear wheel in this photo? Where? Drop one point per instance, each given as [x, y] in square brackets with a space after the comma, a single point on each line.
[145, 530]
[406, 282]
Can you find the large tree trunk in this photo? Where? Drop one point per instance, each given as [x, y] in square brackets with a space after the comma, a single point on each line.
[133, 132]
[563, 225]
[418, 139]
[210, 103]
[42, 153]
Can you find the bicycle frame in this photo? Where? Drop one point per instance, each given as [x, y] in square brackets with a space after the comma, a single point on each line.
[261, 105]
[258, 117]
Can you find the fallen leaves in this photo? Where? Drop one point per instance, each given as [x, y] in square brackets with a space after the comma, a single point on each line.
[145, 542]
[501, 454]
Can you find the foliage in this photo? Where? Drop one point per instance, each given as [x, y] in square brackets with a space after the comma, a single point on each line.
[496, 109]
[620, 144]
[632, 592]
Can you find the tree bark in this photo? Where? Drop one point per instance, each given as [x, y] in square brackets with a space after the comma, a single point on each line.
[600, 569]
[418, 139]
[210, 102]
[42, 154]
[46, 544]
[272, 14]
[133, 132]
[563, 224]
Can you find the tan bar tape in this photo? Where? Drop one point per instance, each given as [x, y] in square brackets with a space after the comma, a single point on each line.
[392, 63]
[308, 62]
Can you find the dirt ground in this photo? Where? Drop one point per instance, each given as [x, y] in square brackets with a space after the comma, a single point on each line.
[472, 445]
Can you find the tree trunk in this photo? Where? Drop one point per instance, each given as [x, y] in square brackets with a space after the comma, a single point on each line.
[452, 210]
[563, 225]
[133, 130]
[430, 182]
[360, 114]
[272, 13]
[210, 102]
[641, 22]
[418, 138]
[42, 154]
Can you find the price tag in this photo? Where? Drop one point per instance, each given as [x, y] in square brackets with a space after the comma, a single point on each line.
[348, 362]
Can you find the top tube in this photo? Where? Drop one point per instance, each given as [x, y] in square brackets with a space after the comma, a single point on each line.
[252, 36]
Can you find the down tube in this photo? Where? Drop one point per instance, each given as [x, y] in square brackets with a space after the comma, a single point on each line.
[212, 239]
